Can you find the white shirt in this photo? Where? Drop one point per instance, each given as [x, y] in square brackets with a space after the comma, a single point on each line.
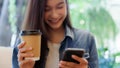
[53, 55]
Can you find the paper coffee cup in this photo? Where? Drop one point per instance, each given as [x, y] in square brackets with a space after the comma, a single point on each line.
[32, 39]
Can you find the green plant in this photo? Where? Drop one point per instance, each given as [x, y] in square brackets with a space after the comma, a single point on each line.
[12, 15]
[91, 16]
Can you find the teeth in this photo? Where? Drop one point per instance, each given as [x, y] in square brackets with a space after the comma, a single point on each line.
[54, 21]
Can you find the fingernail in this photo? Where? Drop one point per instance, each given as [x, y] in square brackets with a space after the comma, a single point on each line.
[61, 61]
[23, 42]
[73, 55]
[59, 64]
[30, 48]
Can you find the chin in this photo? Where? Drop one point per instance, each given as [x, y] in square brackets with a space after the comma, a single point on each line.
[55, 28]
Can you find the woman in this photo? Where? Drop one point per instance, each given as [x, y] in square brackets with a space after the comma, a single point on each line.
[52, 18]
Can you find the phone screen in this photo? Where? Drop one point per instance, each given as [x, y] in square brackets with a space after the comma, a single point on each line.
[67, 55]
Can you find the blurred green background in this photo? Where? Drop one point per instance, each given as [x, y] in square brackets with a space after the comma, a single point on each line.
[97, 16]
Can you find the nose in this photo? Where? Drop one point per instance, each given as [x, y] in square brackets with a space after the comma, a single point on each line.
[54, 14]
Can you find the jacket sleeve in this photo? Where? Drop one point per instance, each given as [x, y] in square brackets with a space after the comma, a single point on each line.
[93, 60]
[14, 56]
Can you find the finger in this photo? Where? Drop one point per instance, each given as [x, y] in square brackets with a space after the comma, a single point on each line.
[63, 66]
[23, 50]
[21, 56]
[67, 64]
[21, 45]
[81, 60]
[28, 61]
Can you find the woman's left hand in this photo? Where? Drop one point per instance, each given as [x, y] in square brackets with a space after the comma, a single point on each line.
[83, 63]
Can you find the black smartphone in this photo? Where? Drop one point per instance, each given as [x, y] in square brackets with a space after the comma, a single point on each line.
[67, 55]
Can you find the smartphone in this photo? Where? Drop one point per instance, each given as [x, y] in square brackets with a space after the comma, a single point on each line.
[67, 54]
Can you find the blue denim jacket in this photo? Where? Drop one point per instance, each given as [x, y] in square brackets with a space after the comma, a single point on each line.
[74, 38]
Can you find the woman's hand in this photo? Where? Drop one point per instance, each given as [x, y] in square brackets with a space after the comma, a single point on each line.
[24, 63]
[83, 63]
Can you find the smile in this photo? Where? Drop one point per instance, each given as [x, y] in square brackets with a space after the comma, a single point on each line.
[55, 21]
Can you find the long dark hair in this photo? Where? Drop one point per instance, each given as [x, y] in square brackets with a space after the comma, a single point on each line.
[34, 18]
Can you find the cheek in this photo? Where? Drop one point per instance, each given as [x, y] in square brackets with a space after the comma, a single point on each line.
[64, 13]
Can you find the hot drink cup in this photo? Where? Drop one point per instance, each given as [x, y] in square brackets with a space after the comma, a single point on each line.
[32, 39]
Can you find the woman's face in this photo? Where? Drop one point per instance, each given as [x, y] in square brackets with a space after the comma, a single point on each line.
[55, 13]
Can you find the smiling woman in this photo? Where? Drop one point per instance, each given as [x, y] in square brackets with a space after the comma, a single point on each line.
[53, 20]
[93, 15]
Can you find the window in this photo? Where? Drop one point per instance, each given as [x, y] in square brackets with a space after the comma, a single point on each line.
[102, 18]
[11, 16]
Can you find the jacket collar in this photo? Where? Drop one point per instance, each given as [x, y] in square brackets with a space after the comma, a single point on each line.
[69, 32]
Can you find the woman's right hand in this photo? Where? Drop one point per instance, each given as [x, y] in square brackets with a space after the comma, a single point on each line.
[24, 63]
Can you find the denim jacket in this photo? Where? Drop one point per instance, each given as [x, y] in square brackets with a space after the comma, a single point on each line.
[74, 38]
